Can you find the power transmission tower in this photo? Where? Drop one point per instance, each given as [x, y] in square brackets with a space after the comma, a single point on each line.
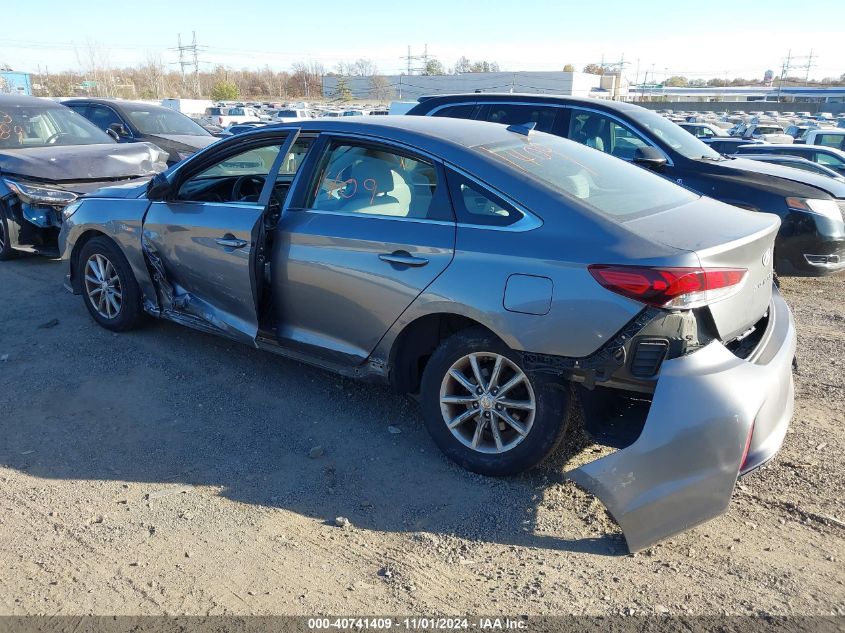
[189, 58]
[789, 64]
[409, 58]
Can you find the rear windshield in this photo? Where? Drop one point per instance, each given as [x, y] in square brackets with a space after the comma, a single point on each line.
[604, 183]
[767, 129]
[286, 113]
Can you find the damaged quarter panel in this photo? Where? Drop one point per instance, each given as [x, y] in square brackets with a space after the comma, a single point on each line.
[682, 469]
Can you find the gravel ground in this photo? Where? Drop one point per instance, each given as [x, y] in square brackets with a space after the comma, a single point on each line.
[170, 472]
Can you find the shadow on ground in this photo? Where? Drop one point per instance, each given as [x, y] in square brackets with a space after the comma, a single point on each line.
[167, 405]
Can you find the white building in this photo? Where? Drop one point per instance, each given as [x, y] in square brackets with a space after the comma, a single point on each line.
[410, 87]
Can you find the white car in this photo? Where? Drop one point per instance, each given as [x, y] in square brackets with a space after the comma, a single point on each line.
[827, 136]
[290, 115]
[224, 117]
[767, 132]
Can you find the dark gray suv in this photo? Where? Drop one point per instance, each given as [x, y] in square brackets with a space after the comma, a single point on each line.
[812, 235]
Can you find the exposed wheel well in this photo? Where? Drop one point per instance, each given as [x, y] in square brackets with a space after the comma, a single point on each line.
[74, 255]
[415, 344]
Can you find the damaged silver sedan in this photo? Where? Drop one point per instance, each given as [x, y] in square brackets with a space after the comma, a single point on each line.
[486, 269]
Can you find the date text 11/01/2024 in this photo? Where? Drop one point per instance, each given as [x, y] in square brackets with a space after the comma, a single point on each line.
[421, 624]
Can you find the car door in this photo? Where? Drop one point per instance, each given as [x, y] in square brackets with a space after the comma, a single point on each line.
[369, 228]
[206, 241]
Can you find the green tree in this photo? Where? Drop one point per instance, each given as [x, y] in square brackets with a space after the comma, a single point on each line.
[434, 67]
[342, 90]
[225, 91]
[677, 81]
[593, 69]
[569, 68]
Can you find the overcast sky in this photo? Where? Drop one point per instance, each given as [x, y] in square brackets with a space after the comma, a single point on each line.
[695, 39]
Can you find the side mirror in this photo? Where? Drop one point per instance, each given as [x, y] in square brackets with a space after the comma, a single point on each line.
[119, 129]
[158, 189]
[650, 157]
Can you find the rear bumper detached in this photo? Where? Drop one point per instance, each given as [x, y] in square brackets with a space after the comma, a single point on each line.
[682, 469]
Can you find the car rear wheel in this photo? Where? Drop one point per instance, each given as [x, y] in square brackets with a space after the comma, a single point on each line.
[109, 288]
[6, 250]
[485, 412]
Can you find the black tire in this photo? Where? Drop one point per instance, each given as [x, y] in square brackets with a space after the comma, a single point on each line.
[6, 250]
[130, 313]
[551, 412]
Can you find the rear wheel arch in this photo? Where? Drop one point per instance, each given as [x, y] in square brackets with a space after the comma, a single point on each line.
[417, 342]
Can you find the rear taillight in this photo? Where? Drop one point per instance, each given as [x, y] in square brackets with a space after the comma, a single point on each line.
[669, 287]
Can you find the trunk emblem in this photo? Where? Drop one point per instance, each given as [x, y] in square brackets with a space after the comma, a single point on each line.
[767, 257]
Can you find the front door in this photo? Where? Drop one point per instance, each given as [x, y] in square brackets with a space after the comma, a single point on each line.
[373, 230]
[205, 241]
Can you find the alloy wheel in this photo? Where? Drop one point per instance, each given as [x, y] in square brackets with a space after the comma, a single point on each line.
[487, 402]
[102, 285]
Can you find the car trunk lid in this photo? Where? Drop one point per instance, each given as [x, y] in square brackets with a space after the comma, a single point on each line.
[722, 236]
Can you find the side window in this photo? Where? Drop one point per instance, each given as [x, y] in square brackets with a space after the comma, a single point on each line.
[102, 117]
[236, 178]
[512, 114]
[373, 180]
[829, 160]
[475, 205]
[831, 140]
[603, 133]
[706, 132]
[462, 111]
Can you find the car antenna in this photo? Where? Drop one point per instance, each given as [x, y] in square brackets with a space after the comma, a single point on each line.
[522, 128]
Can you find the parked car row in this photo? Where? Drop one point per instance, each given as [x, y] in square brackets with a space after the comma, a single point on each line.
[494, 255]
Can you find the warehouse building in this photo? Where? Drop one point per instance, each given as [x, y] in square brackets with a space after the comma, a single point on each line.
[410, 87]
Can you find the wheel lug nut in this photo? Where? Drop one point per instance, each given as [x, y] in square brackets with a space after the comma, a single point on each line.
[479, 391]
[498, 407]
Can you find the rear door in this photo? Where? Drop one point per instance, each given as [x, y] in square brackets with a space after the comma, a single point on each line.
[207, 242]
[369, 228]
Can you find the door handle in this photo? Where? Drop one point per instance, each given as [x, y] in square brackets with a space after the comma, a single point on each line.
[231, 242]
[403, 258]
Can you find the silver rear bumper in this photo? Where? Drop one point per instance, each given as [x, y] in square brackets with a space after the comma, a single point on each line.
[682, 469]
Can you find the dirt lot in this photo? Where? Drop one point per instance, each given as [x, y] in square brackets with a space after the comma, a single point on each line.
[167, 471]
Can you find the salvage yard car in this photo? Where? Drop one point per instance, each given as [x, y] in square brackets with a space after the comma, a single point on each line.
[812, 235]
[486, 269]
[134, 122]
[49, 155]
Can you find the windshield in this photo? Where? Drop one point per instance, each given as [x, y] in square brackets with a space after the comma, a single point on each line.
[154, 120]
[286, 113]
[604, 183]
[41, 126]
[764, 129]
[674, 136]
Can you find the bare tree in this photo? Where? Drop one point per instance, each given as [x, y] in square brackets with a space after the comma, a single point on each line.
[380, 87]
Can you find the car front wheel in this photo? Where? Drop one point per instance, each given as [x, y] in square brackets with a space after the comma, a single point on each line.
[109, 288]
[6, 250]
[485, 412]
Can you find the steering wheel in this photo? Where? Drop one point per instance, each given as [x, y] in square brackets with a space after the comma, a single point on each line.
[55, 137]
[256, 182]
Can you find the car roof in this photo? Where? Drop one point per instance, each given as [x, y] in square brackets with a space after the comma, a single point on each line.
[21, 100]
[801, 147]
[432, 134]
[531, 97]
[116, 102]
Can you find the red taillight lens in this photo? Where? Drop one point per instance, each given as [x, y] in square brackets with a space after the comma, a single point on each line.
[669, 287]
